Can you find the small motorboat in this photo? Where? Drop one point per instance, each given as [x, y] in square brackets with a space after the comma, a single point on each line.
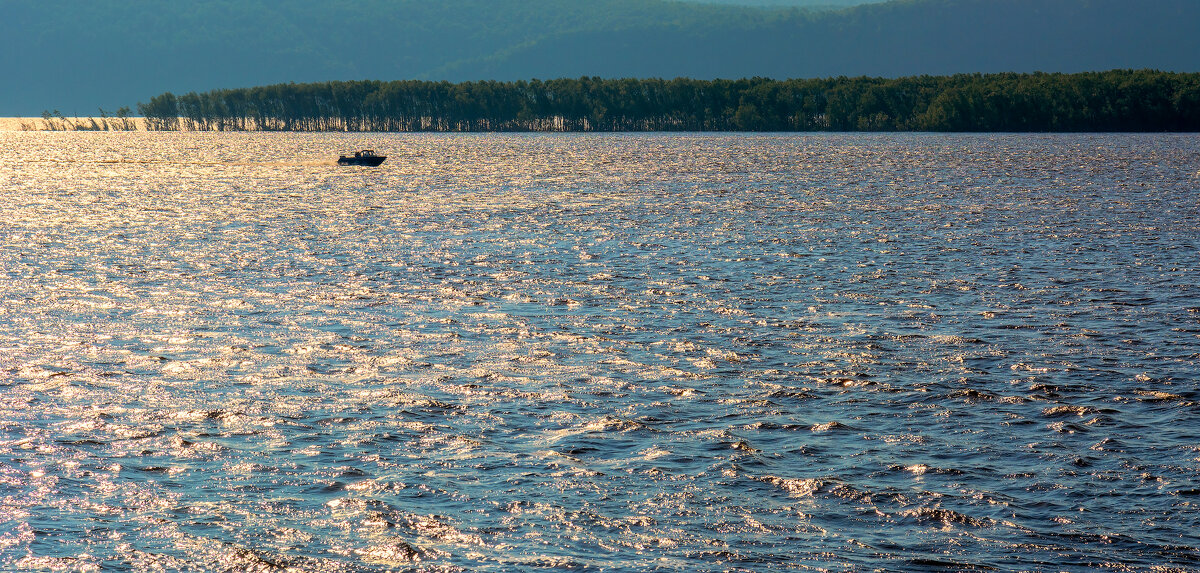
[364, 157]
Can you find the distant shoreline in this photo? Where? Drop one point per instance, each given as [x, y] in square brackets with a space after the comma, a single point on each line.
[1113, 101]
[1118, 101]
[86, 123]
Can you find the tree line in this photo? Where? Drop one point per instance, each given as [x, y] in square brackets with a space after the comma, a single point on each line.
[1119, 100]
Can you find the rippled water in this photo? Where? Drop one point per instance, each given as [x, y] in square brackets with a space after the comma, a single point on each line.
[619, 353]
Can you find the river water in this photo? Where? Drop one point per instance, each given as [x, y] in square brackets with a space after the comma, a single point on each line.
[222, 352]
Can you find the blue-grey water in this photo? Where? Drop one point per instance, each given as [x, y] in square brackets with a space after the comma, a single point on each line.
[221, 352]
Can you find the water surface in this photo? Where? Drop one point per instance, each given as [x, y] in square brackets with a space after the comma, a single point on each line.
[599, 352]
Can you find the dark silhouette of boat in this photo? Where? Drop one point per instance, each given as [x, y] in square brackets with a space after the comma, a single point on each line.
[364, 157]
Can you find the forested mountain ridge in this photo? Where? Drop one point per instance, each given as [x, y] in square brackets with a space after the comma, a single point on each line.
[75, 55]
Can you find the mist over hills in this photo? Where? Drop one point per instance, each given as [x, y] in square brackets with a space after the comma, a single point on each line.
[76, 55]
[819, 4]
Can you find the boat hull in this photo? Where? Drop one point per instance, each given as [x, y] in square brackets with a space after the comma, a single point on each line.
[372, 161]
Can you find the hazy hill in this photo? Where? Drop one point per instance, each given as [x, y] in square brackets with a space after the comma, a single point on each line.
[75, 55]
[901, 38]
[822, 4]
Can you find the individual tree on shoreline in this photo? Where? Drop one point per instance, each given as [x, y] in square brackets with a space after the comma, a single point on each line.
[121, 120]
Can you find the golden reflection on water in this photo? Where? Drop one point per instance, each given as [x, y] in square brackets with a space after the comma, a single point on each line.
[497, 352]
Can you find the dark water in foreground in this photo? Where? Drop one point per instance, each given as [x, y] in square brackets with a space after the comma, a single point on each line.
[618, 353]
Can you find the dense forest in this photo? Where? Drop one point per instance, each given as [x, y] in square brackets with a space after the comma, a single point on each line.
[1107, 101]
[77, 55]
